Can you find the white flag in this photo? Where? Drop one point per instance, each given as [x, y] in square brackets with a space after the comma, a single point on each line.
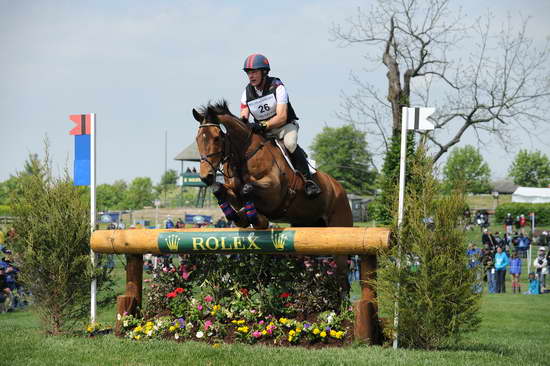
[417, 118]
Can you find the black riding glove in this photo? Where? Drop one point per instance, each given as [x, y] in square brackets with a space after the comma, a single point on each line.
[259, 127]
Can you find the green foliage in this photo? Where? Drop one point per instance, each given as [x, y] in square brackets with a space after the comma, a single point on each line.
[139, 193]
[52, 246]
[170, 177]
[427, 272]
[541, 210]
[530, 169]
[385, 205]
[465, 168]
[342, 153]
[111, 196]
[5, 210]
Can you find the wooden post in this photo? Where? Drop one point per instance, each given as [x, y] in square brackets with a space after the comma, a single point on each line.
[366, 309]
[130, 302]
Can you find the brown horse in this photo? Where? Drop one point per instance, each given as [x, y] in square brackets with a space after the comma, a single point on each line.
[259, 183]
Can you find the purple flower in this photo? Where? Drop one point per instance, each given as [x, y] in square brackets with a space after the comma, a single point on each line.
[181, 322]
[307, 325]
[327, 329]
[261, 322]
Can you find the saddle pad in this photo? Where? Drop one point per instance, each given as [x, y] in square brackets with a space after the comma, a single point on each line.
[311, 164]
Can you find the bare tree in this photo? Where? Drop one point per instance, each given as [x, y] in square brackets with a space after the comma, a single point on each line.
[500, 84]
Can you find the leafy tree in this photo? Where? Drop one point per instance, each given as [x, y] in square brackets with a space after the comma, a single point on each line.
[342, 152]
[170, 177]
[426, 272]
[139, 193]
[530, 169]
[111, 196]
[52, 222]
[466, 168]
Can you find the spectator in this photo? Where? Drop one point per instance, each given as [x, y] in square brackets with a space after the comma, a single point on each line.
[523, 245]
[541, 265]
[169, 224]
[180, 224]
[522, 222]
[221, 223]
[5, 292]
[501, 262]
[515, 271]
[487, 238]
[534, 285]
[489, 268]
[508, 223]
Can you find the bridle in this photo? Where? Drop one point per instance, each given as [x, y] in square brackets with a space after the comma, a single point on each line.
[222, 151]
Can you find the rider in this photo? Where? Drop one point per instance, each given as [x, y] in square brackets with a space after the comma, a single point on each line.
[266, 99]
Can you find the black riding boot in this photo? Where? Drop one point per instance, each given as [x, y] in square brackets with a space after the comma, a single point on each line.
[299, 160]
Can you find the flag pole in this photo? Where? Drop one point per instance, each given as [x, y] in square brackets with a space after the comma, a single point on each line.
[402, 167]
[93, 287]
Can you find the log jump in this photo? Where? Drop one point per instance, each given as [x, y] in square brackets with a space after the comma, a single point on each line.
[362, 241]
[305, 241]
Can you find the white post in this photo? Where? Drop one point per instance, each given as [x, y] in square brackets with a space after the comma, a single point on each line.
[93, 288]
[529, 257]
[402, 167]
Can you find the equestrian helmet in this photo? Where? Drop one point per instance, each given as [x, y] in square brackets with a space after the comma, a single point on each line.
[256, 62]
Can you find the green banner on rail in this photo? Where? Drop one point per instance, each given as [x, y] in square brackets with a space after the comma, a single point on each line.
[244, 241]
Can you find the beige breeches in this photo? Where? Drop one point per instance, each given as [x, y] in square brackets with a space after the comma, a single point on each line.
[288, 133]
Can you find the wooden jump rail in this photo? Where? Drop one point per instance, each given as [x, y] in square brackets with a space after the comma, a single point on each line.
[365, 242]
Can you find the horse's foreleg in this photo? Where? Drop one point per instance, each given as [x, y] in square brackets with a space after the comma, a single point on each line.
[257, 220]
[220, 191]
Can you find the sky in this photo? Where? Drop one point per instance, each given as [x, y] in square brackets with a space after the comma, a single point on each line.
[142, 66]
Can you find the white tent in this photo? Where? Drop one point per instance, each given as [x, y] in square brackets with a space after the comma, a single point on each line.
[531, 195]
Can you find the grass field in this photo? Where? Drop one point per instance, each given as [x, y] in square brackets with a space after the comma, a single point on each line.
[515, 330]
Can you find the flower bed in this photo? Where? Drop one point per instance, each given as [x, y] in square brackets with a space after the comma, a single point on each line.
[277, 300]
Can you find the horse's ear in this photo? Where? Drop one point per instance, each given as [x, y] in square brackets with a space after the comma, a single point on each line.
[198, 117]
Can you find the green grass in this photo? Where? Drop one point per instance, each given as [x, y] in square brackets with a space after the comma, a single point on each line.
[515, 330]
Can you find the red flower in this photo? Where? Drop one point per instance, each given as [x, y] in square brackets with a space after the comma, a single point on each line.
[171, 295]
[179, 290]
[284, 295]
[244, 291]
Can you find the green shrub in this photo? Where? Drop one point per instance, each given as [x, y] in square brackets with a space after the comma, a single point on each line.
[5, 210]
[541, 210]
[427, 273]
[52, 223]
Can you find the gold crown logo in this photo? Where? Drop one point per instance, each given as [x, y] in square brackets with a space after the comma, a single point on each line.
[278, 239]
[172, 242]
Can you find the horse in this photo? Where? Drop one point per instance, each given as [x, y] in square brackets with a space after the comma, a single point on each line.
[259, 185]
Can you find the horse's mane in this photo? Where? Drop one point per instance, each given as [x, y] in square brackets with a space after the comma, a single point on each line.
[216, 109]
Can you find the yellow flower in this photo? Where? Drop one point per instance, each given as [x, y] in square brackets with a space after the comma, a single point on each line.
[149, 324]
[172, 328]
[316, 331]
[243, 329]
[298, 330]
[290, 338]
[234, 321]
[283, 320]
[323, 334]
[212, 313]
[217, 307]
[339, 334]
[90, 329]
[264, 332]
[240, 321]
[216, 345]
[332, 333]
[138, 328]
[137, 337]
[292, 332]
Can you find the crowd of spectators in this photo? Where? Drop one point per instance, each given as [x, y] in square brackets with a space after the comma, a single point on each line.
[11, 290]
[504, 254]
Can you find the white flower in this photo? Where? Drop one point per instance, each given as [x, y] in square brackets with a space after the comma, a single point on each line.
[118, 317]
[200, 334]
[125, 323]
[176, 336]
[150, 333]
[189, 326]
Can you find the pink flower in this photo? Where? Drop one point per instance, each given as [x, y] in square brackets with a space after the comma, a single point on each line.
[330, 273]
[208, 298]
[207, 324]
[165, 269]
[256, 334]
[199, 306]
[185, 275]
[261, 322]
[333, 264]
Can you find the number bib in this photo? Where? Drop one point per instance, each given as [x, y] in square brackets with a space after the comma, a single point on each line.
[263, 108]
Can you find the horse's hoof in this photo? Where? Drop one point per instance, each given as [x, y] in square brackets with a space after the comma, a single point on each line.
[247, 191]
